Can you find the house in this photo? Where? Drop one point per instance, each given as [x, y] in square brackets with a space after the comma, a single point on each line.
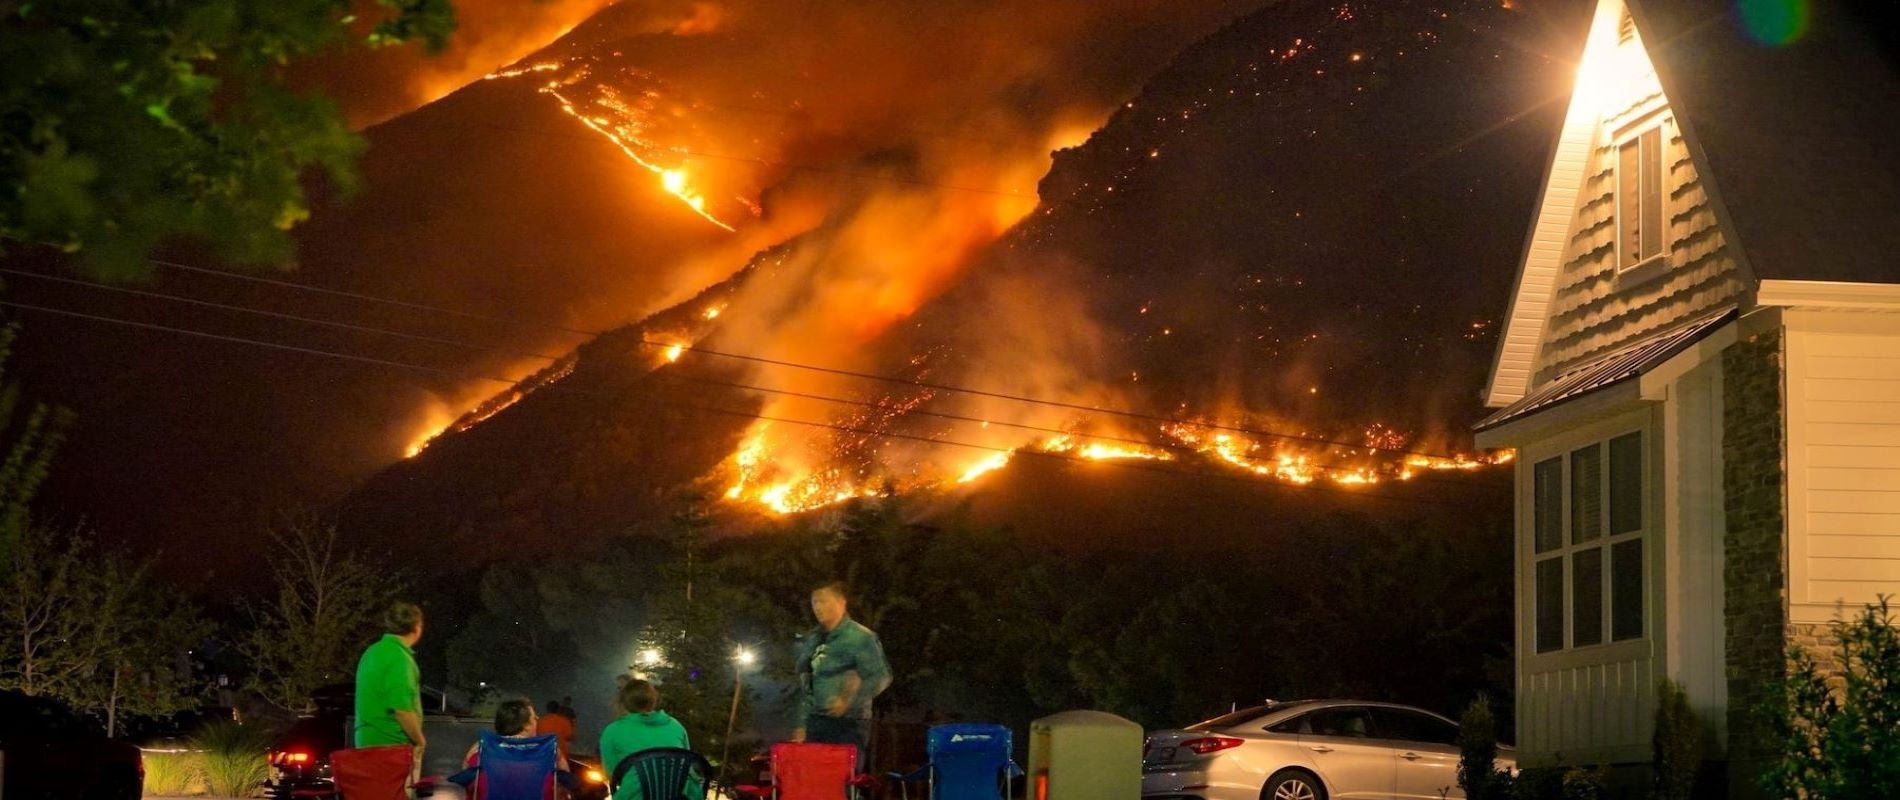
[1700, 370]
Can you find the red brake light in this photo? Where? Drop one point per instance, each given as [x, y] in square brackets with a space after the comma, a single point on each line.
[290, 757]
[1211, 744]
[299, 758]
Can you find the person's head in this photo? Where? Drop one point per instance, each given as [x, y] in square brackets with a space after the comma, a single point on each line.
[828, 604]
[403, 619]
[554, 706]
[639, 697]
[515, 717]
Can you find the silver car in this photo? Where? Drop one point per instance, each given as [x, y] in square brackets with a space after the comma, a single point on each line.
[1309, 750]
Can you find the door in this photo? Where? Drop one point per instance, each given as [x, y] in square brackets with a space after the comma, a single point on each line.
[1352, 761]
[1425, 751]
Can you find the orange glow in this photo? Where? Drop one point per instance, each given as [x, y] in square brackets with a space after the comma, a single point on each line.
[624, 134]
[989, 464]
[673, 353]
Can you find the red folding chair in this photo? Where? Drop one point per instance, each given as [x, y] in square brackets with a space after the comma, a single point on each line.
[373, 773]
[805, 771]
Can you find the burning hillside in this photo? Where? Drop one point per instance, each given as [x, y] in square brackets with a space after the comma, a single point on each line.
[1257, 268]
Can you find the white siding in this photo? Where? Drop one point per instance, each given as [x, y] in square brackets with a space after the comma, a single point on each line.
[1692, 584]
[1591, 704]
[1843, 461]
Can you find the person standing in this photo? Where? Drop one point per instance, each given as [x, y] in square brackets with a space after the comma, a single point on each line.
[389, 686]
[557, 722]
[643, 727]
[841, 669]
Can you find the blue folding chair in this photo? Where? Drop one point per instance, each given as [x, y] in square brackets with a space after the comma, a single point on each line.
[967, 762]
[512, 769]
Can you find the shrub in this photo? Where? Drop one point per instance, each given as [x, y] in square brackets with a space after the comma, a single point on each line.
[1478, 774]
[1676, 746]
[236, 758]
[174, 773]
[1539, 783]
[1586, 784]
[1839, 744]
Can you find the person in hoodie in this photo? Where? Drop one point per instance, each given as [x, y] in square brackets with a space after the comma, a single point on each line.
[644, 726]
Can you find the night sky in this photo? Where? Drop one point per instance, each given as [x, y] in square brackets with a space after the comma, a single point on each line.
[906, 145]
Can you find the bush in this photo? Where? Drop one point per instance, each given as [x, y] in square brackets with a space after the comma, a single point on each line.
[1539, 783]
[236, 758]
[1676, 747]
[1586, 784]
[1839, 744]
[174, 773]
[1478, 774]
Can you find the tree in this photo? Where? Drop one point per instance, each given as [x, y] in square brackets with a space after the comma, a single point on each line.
[124, 124]
[86, 626]
[1840, 742]
[27, 444]
[325, 610]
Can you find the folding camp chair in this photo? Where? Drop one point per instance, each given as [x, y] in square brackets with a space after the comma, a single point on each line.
[511, 768]
[373, 773]
[665, 773]
[967, 762]
[806, 771]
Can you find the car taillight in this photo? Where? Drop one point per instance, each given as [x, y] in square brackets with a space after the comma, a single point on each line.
[1212, 744]
[290, 757]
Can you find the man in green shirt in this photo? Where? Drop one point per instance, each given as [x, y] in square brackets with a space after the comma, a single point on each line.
[388, 685]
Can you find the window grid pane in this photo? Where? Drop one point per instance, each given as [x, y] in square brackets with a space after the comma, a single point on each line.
[1586, 494]
[1626, 590]
[1547, 504]
[1626, 484]
[1629, 204]
[1651, 226]
[1550, 604]
[1586, 597]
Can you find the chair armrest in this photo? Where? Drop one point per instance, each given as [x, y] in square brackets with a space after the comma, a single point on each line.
[753, 791]
[1010, 769]
[862, 781]
[909, 777]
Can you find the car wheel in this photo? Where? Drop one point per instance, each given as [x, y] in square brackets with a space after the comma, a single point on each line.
[1293, 784]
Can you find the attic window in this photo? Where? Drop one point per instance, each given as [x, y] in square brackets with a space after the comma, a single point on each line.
[1639, 199]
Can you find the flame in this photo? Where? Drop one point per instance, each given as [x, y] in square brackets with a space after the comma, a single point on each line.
[989, 464]
[673, 352]
[1101, 451]
[624, 134]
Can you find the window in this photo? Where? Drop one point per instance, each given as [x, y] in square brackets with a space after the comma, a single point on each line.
[1348, 721]
[1639, 199]
[1411, 726]
[1587, 545]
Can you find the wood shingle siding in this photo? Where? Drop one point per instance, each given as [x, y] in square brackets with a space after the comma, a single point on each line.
[1594, 310]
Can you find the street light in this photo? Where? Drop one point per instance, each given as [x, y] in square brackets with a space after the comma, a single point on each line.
[651, 657]
[742, 657]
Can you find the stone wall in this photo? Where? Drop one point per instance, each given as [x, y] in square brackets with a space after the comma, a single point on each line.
[1755, 566]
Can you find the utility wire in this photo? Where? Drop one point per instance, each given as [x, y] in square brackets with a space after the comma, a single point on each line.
[1255, 432]
[1123, 464]
[1175, 446]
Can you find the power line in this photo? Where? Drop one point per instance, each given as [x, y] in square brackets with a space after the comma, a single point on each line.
[1255, 481]
[693, 348]
[1175, 446]
[272, 314]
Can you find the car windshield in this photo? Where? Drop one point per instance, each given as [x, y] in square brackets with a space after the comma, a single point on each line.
[1241, 717]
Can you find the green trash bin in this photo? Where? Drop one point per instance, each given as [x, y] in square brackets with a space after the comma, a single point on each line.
[1084, 755]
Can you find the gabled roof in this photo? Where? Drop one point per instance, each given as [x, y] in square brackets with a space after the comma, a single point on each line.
[1794, 142]
[1798, 140]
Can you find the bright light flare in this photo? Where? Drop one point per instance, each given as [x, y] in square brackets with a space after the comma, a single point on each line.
[744, 657]
[674, 352]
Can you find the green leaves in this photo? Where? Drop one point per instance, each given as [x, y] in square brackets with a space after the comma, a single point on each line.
[126, 124]
[1838, 728]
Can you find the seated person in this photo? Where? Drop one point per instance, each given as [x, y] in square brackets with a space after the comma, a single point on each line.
[514, 719]
[643, 727]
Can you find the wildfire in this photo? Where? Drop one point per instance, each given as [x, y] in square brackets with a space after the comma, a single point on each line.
[760, 481]
[626, 134]
[1101, 451]
[989, 464]
[673, 353]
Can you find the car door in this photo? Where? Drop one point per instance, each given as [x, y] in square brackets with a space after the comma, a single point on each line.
[1425, 749]
[1352, 762]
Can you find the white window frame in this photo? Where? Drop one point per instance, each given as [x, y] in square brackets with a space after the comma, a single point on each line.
[1644, 122]
[1609, 648]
